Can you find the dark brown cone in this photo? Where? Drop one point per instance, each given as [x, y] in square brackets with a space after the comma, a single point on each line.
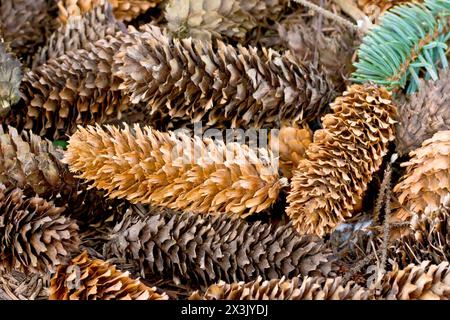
[186, 81]
[307, 288]
[86, 279]
[78, 33]
[200, 250]
[33, 165]
[75, 88]
[428, 239]
[423, 114]
[25, 24]
[34, 236]
[28, 162]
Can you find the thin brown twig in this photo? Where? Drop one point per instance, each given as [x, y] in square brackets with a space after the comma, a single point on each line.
[329, 15]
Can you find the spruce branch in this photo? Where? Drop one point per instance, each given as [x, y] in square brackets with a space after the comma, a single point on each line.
[410, 42]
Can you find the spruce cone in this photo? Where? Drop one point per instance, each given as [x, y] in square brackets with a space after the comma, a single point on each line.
[330, 182]
[124, 10]
[27, 161]
[423, 282]
[75, 88]
[86, 279]
[426, 182]
[24, 24]
[10, 78]
[34, 236]
[186, 81]
[33, 164]
[205, 249]
[20, 286]
[428, 238]
[78, 33]
[423, 113]
[203, 19]
[307, 288]
[146, 166]
[290, 145]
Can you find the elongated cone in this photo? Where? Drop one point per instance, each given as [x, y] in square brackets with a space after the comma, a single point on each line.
[124, 10]
[187, 81]
[428, 238]
[10, 78]
[75, 88]
[175, 171]
[307, 288]
[34, 235]
[94, 279]
[15, 285]
[330, 182]
[25, 23]
[201, 250]
[424, 281]
[204, 19]
[426, 182]
[78, 33]
[423, 114]
[290, 144]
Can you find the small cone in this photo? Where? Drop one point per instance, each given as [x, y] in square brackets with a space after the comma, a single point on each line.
[86, 279]
[34, 235]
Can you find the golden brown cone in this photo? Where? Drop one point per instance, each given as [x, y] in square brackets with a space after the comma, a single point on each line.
[75, 88]
[15, 285]
[124, 10]
[34, 235]
[426, 182]
[307, 288]
[94, 279]
[203, 249]
[151, 167]
[422, 114]
[424, 281]
[10, 78]
[78, 33]
[290, 144]
[187, 81]
[24, 24]
[330, 182]
[206, 19]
